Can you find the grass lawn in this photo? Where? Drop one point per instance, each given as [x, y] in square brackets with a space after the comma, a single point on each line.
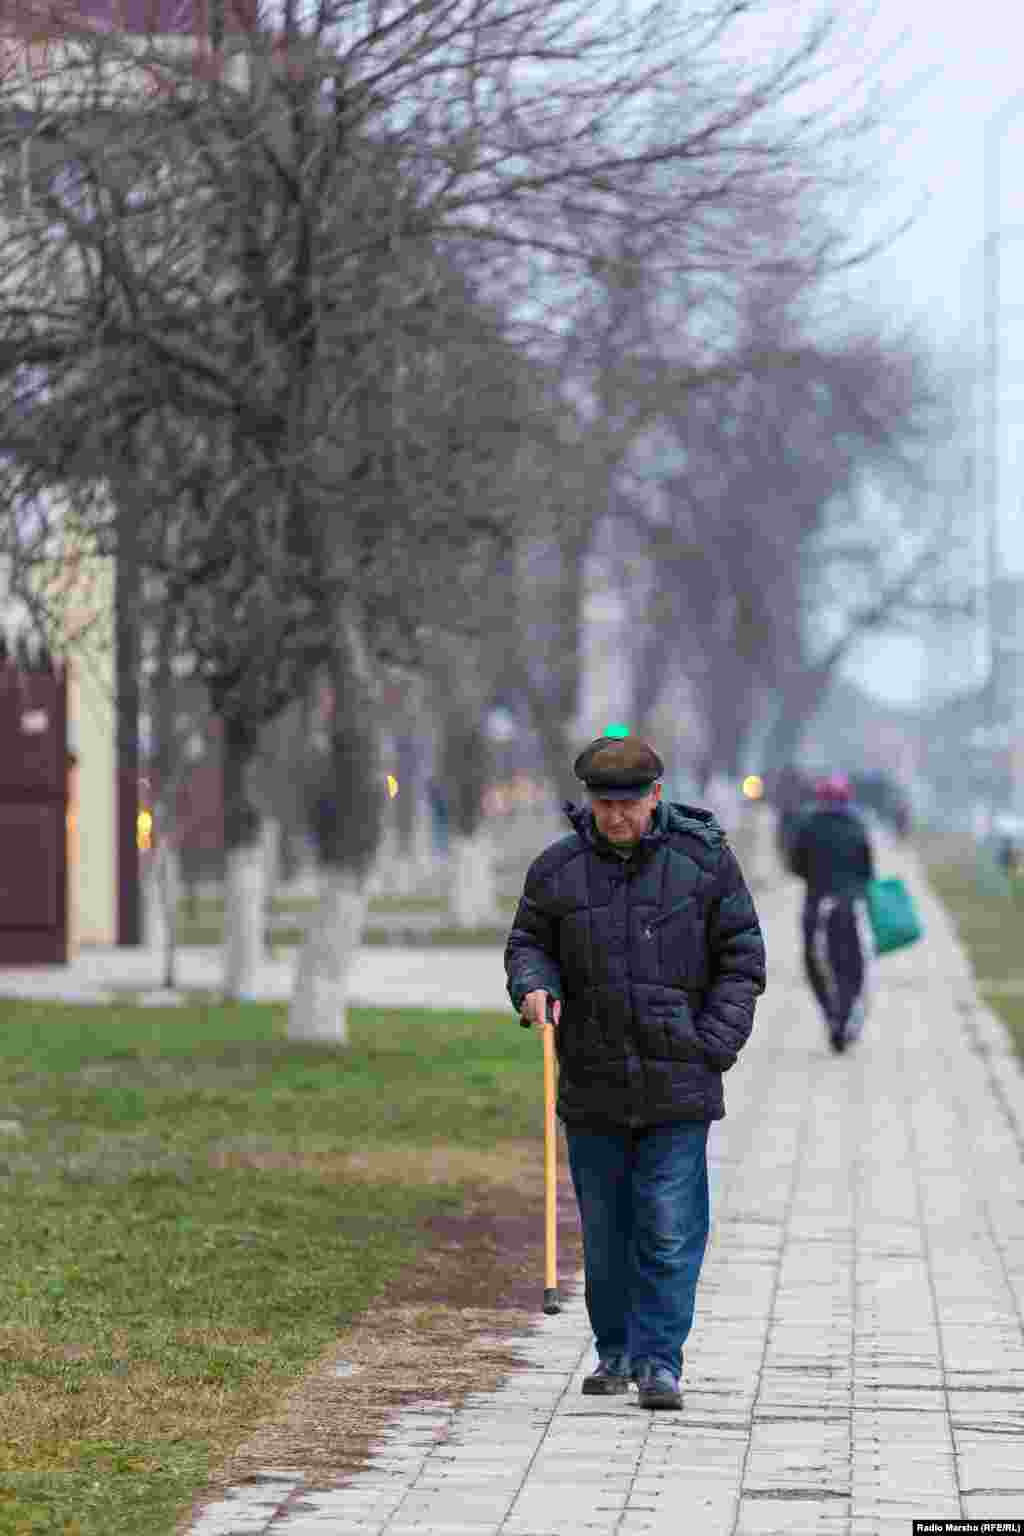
[192, 1208]
[989, 915]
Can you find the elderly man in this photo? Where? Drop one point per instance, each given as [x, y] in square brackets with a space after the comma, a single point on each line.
[640, 930]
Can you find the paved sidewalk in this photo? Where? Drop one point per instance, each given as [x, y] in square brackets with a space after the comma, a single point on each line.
[858, 1354]
[388, 977]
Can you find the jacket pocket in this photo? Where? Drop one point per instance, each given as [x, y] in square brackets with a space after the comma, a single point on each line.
[671, 1031]
[677, 939]
[664, 917]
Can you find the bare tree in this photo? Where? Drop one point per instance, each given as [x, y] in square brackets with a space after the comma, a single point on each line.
[257, 266]
[628, 372]
[791, 522]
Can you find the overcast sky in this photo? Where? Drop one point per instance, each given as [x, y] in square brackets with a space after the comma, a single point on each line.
[966, 62]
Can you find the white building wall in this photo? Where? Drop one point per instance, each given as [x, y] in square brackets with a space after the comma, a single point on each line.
[92, 731]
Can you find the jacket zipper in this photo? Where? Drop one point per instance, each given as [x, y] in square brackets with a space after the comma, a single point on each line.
[656, 922]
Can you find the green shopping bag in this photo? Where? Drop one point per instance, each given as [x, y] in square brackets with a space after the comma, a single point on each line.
[895, 921]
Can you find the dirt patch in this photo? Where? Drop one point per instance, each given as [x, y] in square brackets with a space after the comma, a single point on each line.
[514, 1164]
[443, 1328]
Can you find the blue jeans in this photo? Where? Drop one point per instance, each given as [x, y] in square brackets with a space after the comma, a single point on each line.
[643, 1199]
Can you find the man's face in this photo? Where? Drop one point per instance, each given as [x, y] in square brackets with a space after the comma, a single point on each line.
[624, 822]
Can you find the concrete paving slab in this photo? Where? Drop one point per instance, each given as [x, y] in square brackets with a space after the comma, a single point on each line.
[992, 1506]
[443, 1528]
[998, 1465]
[759, 1517]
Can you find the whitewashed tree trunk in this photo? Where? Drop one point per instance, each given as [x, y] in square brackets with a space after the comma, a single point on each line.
[385, 875]
[154, 918]
[319, 1007]
[760, 865]
[350, 842]
[244, 906]
[305, 883]
[161, 891]
[472, 890]
[404, 879]
[271, 860]
[428, 865]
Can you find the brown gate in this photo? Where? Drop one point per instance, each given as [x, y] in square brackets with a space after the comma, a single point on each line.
[33, 815]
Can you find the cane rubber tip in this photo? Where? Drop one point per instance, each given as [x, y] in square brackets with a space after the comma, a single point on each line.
[551, 1303]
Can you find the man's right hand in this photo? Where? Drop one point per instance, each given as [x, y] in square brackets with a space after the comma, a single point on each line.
[534, 1008]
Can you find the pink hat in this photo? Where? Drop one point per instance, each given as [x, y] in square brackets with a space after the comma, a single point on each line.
[834, 789]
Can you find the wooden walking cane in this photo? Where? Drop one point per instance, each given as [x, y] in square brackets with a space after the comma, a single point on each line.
[551, 1302]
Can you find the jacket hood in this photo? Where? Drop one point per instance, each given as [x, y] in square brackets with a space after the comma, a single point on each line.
[669, 816]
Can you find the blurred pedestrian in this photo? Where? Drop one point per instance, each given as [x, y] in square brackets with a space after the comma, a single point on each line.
[831, 851]
[640, 929]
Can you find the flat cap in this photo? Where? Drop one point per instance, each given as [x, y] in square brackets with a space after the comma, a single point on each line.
[618, 769]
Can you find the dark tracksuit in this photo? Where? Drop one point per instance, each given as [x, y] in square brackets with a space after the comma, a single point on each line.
[831, 851]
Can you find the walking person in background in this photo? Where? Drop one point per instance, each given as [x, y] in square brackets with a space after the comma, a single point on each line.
[639, 928]
[831, 851]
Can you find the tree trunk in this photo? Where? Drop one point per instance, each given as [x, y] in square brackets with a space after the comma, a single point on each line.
[784, 740]
[465, 767]
[163, 875]
[548, 676]
[161, 889]
[721, 797]
[653, 653]
[244, 870]
[319, 1006]
[406, 872]
[472, 893]
[728, 715]
[428, 861]
[154, 918]
[245, 895]
[127, 607]
[273, 856]
[731, 696]
[799, 703]
[348, 830]
[558, 760]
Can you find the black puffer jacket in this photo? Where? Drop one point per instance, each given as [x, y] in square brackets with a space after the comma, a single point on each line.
[658, 960]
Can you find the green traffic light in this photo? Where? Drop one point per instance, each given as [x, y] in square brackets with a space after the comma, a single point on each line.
[616, 730]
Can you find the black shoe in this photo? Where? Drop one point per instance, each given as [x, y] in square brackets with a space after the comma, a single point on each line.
[609, 1379]
[837, 1039]
[658, 1388]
